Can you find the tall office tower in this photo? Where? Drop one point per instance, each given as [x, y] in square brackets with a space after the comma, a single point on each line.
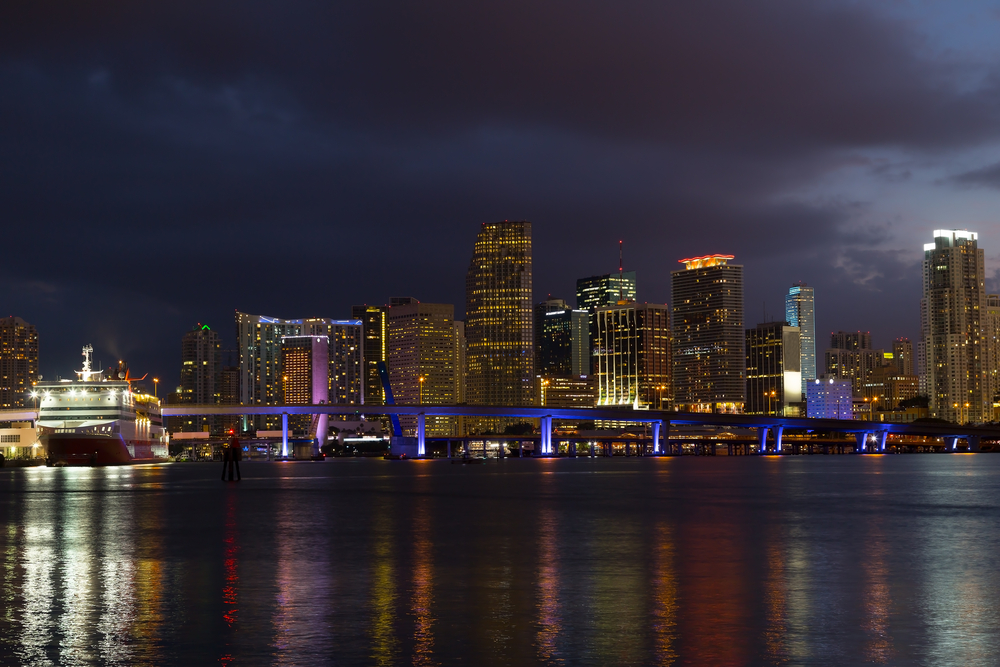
[632, 355]
[991, 334]
[887, 386]
[955, 293]
[902, 355]
[499, 332]
[566, 392]
[373, 349]
[259, 345]
[305, 377]
[347, 376]
[851, 357]
[800, 311]
[18, 362]
[607, 290]
[709, 362]
[774, 378]
[459, 362]
[599, 291]
[201, 364]
[421, 360]
[562, 339]
[922, 350]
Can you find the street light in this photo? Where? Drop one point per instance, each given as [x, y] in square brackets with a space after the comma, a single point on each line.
[660, 391]
[770, 398]
[156, 381]
[420, 401]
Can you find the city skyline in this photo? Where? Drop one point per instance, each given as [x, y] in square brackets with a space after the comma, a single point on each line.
[173, 154]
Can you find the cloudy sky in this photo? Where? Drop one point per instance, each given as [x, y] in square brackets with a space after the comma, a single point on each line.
[163, 164]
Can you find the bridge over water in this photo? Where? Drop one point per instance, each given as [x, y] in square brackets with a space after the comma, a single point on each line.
[870, 436]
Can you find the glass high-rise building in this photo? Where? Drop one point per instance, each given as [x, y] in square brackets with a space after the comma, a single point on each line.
[373, 349]
[800, 311]
[774, 379]
[632, 355]
[18, 362]
[562, 340]
[709, 364]
[499, 331]
[954, 295]
[607, 290]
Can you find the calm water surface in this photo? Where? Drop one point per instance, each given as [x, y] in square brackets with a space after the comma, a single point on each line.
[836, 560]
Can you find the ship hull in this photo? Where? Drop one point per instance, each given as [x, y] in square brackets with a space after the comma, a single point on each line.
[75, 449]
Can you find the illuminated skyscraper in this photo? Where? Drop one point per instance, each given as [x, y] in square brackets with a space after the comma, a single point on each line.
[606, 290]
[774, 381]
[18, 362]
[259, 346]
[201, 365]
[421, 359]
[851, 357]
[902, 355]
[709, 373]
[562, 340]
[954, 293]
[305, 375]
[800, 311]
[373, 349]
[499, 331]
[632, 355]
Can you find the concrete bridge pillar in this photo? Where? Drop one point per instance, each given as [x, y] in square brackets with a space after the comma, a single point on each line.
[284, 434]
[762, 436]
[449, 448]
[973, 441]
[465, 448]
[950, 443]
[421, 419]
[656, 437]
[861, 438]
[778, 430]
[882, 437]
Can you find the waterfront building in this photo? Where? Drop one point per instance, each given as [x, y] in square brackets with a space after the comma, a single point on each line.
[632, 355]
[18, 362]
[829, 398]
[991, 337]
[800, 311]
[499, 331]
[260, 375]
[201, 365]
[954, 293]
[421, 359]
[373, 349]
[305, 374]
[774, 378]
[562, 339]
[851, 357]
[709, 373]
[566, 392]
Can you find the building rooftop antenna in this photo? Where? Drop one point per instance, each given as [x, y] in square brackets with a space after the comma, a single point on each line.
[621, 275]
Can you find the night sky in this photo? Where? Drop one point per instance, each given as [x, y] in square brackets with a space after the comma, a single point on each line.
[168, 163]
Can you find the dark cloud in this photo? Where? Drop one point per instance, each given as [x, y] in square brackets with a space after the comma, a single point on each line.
[983, 177]
[168, 162]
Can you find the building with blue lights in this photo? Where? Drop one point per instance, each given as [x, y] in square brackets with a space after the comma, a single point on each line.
[829, 398]
[800, 311]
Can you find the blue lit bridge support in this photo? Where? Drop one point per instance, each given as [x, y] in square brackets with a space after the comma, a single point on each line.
[951, 443]
[545, 443]
[861, 437]
[973, 441]
[777, 438]
[421, 421]
[656, 437]
[284, 434]
[882, 436]
[762, 435]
